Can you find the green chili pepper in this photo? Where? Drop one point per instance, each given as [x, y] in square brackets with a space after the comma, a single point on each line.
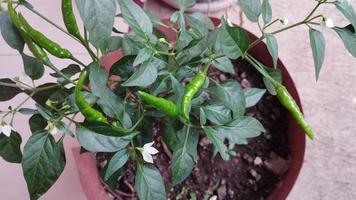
[32, 46]
[84, 107]
[69, 18]
[190, 90]
[163, 105]
[44, 42]
[289, 103]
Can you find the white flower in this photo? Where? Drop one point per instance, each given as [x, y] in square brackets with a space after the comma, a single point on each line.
[5, 129]
[284, 21]
[52, 129]
[147, 151]
[327, 23]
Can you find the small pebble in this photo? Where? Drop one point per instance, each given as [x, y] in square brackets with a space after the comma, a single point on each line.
[222, 77]
[257, 161]
[213, 197]
[245, 83]
[243, 75]
[253, 173]
[247, 157]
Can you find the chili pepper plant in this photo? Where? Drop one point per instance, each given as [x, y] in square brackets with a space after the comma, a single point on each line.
[157, 80]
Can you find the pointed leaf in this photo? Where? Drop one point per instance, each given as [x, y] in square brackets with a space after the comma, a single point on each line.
[317, 43]
[272, 47]
[218, 140]
[33, 67]
[348, 36]
[266, 11]
[136, 18]
[10, 149]
[98, 17]
[42, 164]
[145, 75]
[224, 64]
[149, 183]
[251, 8]
[7, 92]
[253, 96]
[345, 7]
[10, 33]
[117, 161]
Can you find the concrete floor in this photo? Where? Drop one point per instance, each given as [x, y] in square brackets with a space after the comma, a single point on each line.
[329, 171]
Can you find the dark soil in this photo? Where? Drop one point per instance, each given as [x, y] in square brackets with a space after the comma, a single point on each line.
[252, 174]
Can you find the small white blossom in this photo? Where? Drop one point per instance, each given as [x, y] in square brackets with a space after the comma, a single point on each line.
[5, 129]
[327, 23]
[284, 21]
[147, 151]
[52, 129]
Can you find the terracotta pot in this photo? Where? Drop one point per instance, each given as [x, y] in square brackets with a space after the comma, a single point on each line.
[86, 162]
[204, 6]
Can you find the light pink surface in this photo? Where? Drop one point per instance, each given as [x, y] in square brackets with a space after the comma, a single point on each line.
[329, 171]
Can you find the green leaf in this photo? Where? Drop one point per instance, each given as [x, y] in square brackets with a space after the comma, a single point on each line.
[69, 71]
[217, 114]
[136, 18]
[7, 92]
[184, 155]
[231, 95]
[170, 135]
[42, 96]
[317, 43]
[42, 164]
[124, 67]
[149, 183]
[218, 140]
[184, 39]
[117, 161]
[115, 43]
[251, 8]
[200, 23]
[89, 97]
[233, 40]
[272, 47]
[224, 64]
[33, 67]
[10, 147]
[266, 11]
[347, 10]
[95, 142]
[194, 49]
[111, 104]
[178, 90]
[130, 45]
[28, 111]
[105, 129]
[145, 75]
[98, 17]
[348, 36]
[184, 4]
[242, 128]
[253, 96]
[37, 122]
[10, 33]
[64, 128]
[202, 117]
[142, 56]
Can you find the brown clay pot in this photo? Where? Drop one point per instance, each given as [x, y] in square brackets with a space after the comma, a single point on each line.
[86, 162]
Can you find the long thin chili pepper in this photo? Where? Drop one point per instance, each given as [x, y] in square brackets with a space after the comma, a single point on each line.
[69, 19]
[84, 107]
[289, 103]
[44, 42]
[163, 105]
[190, 91]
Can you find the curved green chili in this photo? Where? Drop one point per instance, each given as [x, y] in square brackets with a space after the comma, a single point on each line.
[44, 42]
[36, 50]
[69, 19]
[191, 89]
[84, 107]
[163, 105]
[289, 103]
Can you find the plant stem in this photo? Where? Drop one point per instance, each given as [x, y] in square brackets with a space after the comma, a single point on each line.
[306, 20]
[50, 65]
[12, 85]
[18, 106]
